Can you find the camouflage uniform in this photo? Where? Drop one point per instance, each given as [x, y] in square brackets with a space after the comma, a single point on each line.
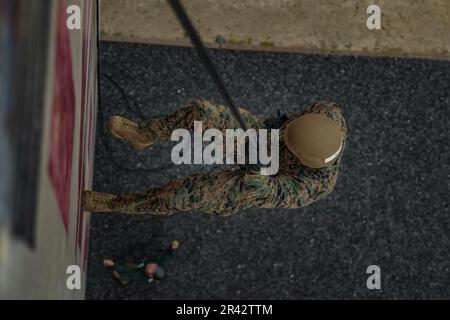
[229, 191]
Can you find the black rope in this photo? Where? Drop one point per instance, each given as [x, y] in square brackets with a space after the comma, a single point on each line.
[203, 56]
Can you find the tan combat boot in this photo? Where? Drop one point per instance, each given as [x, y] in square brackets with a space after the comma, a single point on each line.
[128, 130]
[97, 202]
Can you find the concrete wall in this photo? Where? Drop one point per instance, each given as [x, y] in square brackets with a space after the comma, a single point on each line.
[40, 272]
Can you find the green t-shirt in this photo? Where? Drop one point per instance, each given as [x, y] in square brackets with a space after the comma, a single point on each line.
[135, 272]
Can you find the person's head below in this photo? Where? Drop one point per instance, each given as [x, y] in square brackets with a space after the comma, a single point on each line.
[154, 271]
[314, 139]
[175, 245]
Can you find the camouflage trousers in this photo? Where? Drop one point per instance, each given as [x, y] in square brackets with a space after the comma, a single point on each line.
[228, 191]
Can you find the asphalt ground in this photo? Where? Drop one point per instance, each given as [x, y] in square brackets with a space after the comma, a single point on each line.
[390, 207]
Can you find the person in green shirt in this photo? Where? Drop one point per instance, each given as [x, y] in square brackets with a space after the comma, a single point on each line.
[145, 271]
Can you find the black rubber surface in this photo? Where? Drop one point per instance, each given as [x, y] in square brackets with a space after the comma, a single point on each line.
[390, 206]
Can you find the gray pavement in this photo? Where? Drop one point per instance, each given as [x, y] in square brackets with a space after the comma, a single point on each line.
[390, 206]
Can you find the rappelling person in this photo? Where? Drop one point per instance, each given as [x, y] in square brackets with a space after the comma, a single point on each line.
[310, 153]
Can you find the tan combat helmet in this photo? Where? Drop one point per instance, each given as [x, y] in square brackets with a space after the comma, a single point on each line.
[315, 139]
